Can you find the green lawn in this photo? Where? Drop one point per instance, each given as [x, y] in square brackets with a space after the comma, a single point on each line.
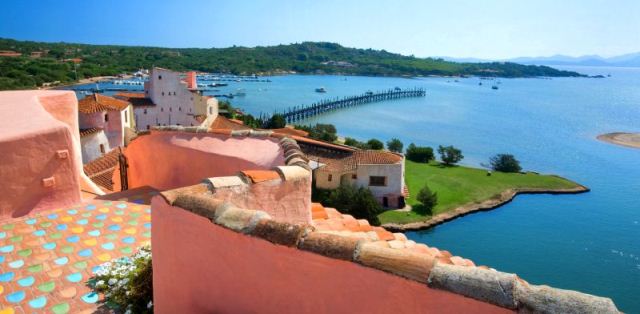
[457, 186]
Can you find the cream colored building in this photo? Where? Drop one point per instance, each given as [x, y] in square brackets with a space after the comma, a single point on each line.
[382, 172]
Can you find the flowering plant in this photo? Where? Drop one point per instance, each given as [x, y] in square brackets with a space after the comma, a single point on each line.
[127, 282]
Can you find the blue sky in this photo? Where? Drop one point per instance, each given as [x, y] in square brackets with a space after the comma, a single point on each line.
[482, 29]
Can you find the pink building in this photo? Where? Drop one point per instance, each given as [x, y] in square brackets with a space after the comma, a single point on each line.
[169, 100]
[41, 164]
[104, 122]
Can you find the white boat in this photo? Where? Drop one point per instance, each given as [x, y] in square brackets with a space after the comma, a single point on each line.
[321, 90]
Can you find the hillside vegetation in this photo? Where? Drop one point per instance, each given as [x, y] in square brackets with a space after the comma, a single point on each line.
[307, 57]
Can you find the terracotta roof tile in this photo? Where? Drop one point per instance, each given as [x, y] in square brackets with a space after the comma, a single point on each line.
[96, 102]
[101, 170]
[222, 123]
[291, 131]
[85, 132]
[360, 157]
[261, 175]
[136, 99]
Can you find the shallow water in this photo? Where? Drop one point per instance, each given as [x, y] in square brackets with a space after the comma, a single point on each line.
[588, 242]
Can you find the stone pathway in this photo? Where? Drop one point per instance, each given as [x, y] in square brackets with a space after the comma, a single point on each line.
[46, 258]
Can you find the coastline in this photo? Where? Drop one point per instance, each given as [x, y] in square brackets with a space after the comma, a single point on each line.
[505, 197]
[621, 138]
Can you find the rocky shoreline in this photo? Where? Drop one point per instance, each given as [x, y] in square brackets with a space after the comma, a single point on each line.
[622, 139]
[504, 198]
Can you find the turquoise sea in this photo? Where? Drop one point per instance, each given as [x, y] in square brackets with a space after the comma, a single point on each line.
[588, 242]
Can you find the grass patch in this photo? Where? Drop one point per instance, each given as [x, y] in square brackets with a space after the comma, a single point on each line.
[458, 185]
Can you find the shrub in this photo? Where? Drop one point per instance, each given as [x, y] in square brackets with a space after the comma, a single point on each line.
[358, 202]
[375, 144]
[277, 121]
[505, 163]
[449, 155]
[420, 153]
[350, 141]
[395, 145]
[428, 199]
[127, 282]
[320, 131]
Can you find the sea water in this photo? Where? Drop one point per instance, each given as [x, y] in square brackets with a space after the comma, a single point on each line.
[588, 242]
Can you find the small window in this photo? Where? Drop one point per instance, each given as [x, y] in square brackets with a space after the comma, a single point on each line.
[179, 108]
[145, 111]
[162, 93]
[159, 77]
[106, 117]
[377, 181]
[161, 109]
[191, 123]
[210, 110]
[148, 127]
[189, 109]
[126, 118]
[170, 109]
[146, 92]
[330, 178]
[174, 93]
[354, 176]
[102, 148]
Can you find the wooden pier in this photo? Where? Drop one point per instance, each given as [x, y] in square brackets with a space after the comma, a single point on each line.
[298, 113]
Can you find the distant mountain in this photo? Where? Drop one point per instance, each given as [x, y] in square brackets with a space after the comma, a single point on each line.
[627, 60]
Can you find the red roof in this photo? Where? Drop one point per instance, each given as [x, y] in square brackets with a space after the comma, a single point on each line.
[97, 102]
[291, 131]
[100, 170]
[85, 132]
[222, 123]
[136, 99]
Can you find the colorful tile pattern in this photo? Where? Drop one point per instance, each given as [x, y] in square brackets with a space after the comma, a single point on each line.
[46, 258]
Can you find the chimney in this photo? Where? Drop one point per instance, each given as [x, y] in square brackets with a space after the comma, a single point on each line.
[191, 80]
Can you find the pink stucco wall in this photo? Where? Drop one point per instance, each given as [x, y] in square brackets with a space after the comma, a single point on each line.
[39, 140]
[167, 160]
[288, 200]
[199, 267]
[113, 128]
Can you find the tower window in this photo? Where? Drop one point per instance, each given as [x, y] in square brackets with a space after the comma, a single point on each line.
[106, 117]
[102, 148]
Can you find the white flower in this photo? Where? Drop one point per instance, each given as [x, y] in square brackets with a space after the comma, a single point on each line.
[112, 281]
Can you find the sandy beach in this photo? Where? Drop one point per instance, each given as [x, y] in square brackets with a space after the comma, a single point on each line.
[620, 138]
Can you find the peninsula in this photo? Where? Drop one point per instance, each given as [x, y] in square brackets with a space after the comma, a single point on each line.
[621, 138]
[463, 190]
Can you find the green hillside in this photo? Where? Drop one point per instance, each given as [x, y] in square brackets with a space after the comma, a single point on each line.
[307, 57]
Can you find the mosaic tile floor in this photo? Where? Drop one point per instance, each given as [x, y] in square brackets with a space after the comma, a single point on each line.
[46, 258]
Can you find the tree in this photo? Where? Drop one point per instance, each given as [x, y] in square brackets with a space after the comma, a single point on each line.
[449, 155]
[395, 145]
[428, 199]
[505, 163]
[320, 131]
[420, 153]
[358, 202]
[375, 144]
[277, 121]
